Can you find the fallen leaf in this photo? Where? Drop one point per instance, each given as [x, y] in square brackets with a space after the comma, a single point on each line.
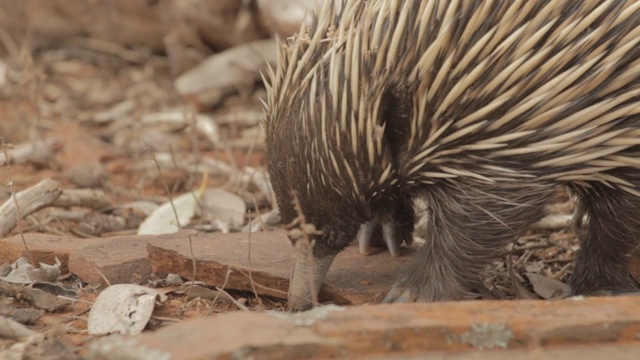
[264, 222]
[225, 207]
[163, 219]
[22, 272]
[548, 288]
[179, 118]
[122, 308]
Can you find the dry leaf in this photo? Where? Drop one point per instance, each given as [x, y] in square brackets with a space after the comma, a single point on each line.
[178, 118]
[223, 207]
[122, 308]
[163, 219]
[22, 272]
[548, 288]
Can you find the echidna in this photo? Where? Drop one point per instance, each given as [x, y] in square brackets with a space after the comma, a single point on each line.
[481, 107]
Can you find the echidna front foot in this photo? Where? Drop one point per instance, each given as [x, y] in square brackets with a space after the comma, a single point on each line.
[307, 277]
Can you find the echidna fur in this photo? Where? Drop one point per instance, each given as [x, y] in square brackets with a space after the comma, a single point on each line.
[481, 107]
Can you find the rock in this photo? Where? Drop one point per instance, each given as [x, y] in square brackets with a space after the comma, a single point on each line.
[44, 248]
[352, 278]
[221, 24]
[120, 260]
[529, 329]
[87, 175]
[220, 73]
[283, 17]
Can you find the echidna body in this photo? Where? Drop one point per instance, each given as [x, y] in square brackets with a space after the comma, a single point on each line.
[483, 108]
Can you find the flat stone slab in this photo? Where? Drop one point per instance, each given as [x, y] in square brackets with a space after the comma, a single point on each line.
[352, 279]
[532, 328]
[114, 260]
[43, 247]
[121, 259]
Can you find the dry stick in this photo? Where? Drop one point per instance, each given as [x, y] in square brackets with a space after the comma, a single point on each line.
[532, 247]
[221, 290]
[94, 199]
[175, 213]
[518, 288]
[36, 197]
[255, 205]
[255, 293]
[258, 285]
[224, 283]
[46, 193]
[190, 119]
[194, 268]
[15, 201]
[108, 47]
[193, 255]
[9, 44]
[246, 164]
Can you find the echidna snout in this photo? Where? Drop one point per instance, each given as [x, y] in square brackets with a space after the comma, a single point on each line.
[481, 108]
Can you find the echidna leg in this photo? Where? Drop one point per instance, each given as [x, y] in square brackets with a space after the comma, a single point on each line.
[469, 224]
[608, 226]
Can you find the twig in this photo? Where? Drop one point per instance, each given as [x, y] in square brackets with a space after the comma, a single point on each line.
[194, 266]
[255, 293]
[175, 212]
[90, 198]
[226, 294]
[110, 48]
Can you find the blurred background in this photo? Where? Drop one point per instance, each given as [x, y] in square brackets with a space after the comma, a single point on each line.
[139, 98]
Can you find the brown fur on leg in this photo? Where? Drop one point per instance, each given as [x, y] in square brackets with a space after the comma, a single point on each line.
[608, 225]
[469, 223]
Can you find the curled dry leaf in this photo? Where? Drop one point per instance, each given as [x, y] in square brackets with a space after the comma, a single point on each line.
[228, 70]
[10, 329]
[163, 219]
[548, 288]
[284, 17]
[143, 206]
[22, 272]
[115, 112]
[35, 151]
[264, 221]
[225, 207]
[179, 118]
[123, 308]
[554, 222]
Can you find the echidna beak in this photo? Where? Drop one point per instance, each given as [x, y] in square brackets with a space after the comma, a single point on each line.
[306, 278]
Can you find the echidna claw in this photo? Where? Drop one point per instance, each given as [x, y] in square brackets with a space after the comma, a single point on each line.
[399, 294]
[365, 236]
[391, 237]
